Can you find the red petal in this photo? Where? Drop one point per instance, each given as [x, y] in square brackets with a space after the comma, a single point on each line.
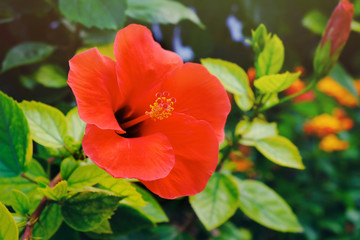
[148, 158]
[141, 66]
[199, 94]
[196, 155]
[92, 78]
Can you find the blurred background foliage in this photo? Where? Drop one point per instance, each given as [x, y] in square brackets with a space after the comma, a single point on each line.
[325, 197]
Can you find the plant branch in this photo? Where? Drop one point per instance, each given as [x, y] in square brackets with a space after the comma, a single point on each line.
[36, 214]
[27, 178]
[285, 99]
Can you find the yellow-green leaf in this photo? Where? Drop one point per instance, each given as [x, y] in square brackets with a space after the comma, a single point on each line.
[47, 124]
[263, 205]
[8, 228]
[276, 83]
[233, 78]
[281, 151]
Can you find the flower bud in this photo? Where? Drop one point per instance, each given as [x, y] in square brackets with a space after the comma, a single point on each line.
[334, 38]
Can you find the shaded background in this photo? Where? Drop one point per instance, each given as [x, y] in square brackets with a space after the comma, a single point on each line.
[325, 197]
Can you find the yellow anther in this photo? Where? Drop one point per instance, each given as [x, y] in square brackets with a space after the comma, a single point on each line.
[162, 107]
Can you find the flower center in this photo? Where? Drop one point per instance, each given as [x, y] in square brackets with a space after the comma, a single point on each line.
[161, 109]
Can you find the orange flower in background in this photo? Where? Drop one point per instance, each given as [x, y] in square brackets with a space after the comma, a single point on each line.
[149, 116]
[332, 88]
[297, 86]
[323, 125]
[332, 143]
[346, 122]
[357, 86]
[251, 74]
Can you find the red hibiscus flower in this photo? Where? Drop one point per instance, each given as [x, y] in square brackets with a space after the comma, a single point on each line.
[150, 116]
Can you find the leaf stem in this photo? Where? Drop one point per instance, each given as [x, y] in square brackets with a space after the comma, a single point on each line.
[27, 178]
[285, 99]
[36, 214]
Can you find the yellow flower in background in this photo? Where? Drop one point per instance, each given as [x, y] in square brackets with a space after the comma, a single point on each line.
[332, 88]
[323, 125]
[332, 143]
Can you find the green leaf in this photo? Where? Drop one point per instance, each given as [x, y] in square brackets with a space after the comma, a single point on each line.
[263, 205]
[104, 227]
[20, 183]
[47, 124]
[259, 38]
[86, 175]
[103, 14]
[281, 151]
[25, 54]
[128, 219]
[271, 59]
[50, 75]
[229, 231]
[315, 21]
[344, 79]
[56, 193]
[233, 78]
[257, 129]
[276, 83]
[15, 141]
[123, 188]
[76, 126]
[87, 209]
[152, 209]
[8, 228]
[67, 167]
[161, 11]
[217, 203]
[20, 202]
[355, 26]
[49, 222]
[357, 7]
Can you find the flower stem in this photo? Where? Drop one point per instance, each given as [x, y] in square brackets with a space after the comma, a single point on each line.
[36, 214]
[285, 99]
[27, 178]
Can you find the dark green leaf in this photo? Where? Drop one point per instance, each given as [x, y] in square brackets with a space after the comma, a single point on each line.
[217, 203]
[161, 11]
[51, 75]
[341, 76]
[47, 124]
[25, 54]
[103, 14]
[315, 21]
[20, 202]
[8, 228]
[87, 209]
[266, 207]
[15, 141]
[86, 175]
[49, 222]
